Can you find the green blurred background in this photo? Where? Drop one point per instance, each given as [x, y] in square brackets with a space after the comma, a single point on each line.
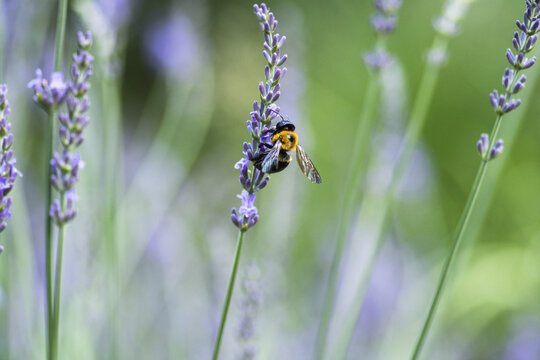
[154, 290]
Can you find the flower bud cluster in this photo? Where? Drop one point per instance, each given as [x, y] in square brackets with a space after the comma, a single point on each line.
[523, 42]
[8, 172]
[483, 148]
[260, 124]
[65, 167]
[384, 21]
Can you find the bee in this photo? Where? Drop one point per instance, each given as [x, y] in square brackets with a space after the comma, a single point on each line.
[276, 159]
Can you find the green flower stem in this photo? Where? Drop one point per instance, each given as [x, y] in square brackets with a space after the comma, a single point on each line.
[230, 288]
[462, 225]
[359, 154]
[455, 244]
[59, 46]
[412, 134]
[57, 285]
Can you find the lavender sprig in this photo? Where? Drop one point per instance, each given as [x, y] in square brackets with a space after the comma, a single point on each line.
[65, 167]
[260, 124]
[259, 127]
[488, 147]
[8, 171]
[384, 22]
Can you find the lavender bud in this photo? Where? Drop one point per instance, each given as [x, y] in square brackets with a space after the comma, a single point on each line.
[531, 42]
[281, 41]
[510, 57]
[530, 62]
[496, 150]
[482, 144]
[262, 89]
[507, 78]
[519, 84]
[510, 105]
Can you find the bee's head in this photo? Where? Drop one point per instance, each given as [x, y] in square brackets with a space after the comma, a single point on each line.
[284, 125]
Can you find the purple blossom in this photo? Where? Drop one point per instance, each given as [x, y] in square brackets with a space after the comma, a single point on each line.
[49, 94]
[174, 46]
[523, 42]
[65, 167]
[260, 123]
[378, 59]
[385, 20]
[8, 171]
[483, 144]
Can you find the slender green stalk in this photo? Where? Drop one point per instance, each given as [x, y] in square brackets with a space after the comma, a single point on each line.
[455, 244]
[412, 134]
[359, 154]
[57, 286]
[230, 288]
[59, 46]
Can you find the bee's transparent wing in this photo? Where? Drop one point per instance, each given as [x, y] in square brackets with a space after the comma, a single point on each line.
[306, 165]
[272, 158]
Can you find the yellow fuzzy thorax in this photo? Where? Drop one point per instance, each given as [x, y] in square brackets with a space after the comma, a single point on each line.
[284, 137]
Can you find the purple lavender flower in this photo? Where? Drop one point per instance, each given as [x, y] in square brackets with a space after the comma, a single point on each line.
[174, 46]
[260, 124]
[523, 42]
[8, 171]
[383, 22]
[49, 94]
[65, 167]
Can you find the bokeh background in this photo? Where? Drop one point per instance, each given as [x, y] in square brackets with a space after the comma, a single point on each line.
[146, 261]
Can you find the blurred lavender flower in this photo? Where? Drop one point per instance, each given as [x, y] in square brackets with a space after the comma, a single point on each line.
[378, 59]
[260, 125]
[523, 41]
[65, 167]
[447, 25]
[383, 22]
[249, 306]
[524, 343]
[49, 94]
[174, 46]
[8, 172]
[117, 11]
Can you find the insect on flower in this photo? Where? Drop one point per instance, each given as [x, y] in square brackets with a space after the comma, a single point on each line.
[275, 158]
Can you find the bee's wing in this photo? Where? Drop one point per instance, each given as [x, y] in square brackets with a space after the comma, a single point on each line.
[271, 159]
[306, 165]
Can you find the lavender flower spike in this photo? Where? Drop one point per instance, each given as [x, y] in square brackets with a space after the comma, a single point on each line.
[523, 42]
[8, 172]
[260, 124]
[65, 167]
[384, 22]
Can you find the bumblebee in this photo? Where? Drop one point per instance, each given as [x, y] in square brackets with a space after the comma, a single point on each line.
[275, 159]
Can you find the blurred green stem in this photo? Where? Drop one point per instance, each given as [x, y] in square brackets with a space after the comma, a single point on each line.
[58, 284]
[359, 155]
[462, 225]
[59, 46]
[230, 288]
[412, 134]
